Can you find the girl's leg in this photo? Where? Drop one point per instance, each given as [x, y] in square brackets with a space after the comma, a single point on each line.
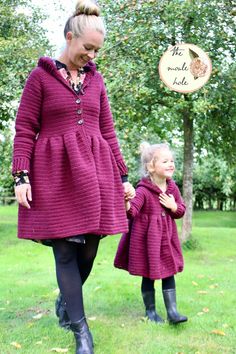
[148, 294]
[169, 295]
[168, 283]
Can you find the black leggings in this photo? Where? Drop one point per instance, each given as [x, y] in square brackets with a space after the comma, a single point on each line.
[148, 284]
[73, 265]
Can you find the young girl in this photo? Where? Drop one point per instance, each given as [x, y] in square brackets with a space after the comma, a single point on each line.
[151, 248]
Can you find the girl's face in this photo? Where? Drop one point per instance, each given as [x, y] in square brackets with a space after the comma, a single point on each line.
[80, 50]
[163, 164]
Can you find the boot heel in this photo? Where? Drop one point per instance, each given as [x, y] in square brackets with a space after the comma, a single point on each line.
[83, 337]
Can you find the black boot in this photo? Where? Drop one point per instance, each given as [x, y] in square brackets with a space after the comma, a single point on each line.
[173, 316]
[60, 309]
[149, 302]
[83, 337]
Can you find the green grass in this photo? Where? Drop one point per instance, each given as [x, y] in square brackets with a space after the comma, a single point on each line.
[206, 293]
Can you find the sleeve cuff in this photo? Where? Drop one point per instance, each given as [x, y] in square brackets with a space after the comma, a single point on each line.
[124, 178]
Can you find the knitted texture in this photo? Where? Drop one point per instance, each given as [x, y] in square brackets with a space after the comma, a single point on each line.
[151, 248]
[68, 144]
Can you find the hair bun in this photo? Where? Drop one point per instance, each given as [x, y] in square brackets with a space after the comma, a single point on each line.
[144, 146]
[86, 7]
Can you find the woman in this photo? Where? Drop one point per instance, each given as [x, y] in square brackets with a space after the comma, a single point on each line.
[67, 162]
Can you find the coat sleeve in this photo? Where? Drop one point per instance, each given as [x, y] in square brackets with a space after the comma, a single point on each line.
[108, 131]
[27, 123]
[136, 203]
[180, 205]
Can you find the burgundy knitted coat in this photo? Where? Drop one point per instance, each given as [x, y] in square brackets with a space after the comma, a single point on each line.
[151, 248]
[68, 144]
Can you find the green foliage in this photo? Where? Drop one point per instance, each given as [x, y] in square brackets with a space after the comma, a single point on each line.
[214, 183]
[6, 182]
[22, 41]
[144, 109]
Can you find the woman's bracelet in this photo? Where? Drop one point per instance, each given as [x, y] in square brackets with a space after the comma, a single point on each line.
[21, 177]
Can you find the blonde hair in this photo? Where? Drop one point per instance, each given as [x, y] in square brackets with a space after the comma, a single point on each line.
[85, 16]
[147, 153]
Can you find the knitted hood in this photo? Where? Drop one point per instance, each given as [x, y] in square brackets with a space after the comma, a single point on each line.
[147, 183]
[48, 64]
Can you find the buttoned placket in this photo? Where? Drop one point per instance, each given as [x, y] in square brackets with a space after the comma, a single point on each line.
[79, 112]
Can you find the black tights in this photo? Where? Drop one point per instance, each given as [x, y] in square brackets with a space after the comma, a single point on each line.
[73, 265]
[148, 284]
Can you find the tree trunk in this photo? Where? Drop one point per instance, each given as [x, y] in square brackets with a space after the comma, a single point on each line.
[187, 177]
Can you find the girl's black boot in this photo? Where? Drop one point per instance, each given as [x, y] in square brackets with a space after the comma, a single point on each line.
[149, 302]
[173, 316]
[83, 337]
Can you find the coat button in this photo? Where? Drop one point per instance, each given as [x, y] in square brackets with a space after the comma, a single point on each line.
[79, 111]
[81, 121]
[163, 213]
[78, 101]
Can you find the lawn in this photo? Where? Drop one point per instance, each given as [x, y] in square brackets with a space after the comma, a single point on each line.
[205, 293]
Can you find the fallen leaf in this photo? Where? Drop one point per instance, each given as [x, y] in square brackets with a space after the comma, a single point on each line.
[213, 286]
[194, 283]
[37, 317]
[205, 310]
[97, 288]
[200, 313]
[59, 350]
[144, 319]
[16, 345]
[218, 332]
[225, 325]
[39, 342]
[30, 324]
[92, 318]
[200, 276]
[202, 292]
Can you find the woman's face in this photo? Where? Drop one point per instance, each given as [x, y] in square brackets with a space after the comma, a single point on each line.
[80, 50]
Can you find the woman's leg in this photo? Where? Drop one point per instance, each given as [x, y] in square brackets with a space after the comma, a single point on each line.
[86, 254]
[68, 277]
[69, 281]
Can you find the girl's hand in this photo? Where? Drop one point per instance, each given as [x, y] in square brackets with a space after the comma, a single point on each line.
[129, 191]
[23, 194]
[168, 201]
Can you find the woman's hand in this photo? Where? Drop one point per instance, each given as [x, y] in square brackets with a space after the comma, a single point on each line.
[129, 191]
[23, 194]
[168, 201]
